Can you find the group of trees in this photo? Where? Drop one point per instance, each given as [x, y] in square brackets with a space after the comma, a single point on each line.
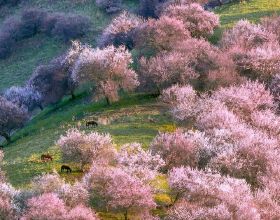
[226, 166]
[117, 181]
[236, 134]
[33, 21]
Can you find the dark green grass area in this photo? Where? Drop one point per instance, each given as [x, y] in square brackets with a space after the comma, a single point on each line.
[136, 118]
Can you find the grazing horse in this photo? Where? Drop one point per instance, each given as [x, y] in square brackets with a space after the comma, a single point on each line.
[91, 123]
[67, 168]
[46, 157]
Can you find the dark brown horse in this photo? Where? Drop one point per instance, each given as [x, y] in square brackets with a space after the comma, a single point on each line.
[67, 168]
[46, 157]
[91, 123]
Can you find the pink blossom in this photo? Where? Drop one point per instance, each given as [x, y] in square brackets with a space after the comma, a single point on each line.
[158, 35]
[196, 20]
[206, 193]
[108, 68]
[181, 148]
[133, 159]
[119, 191]
[82, 148]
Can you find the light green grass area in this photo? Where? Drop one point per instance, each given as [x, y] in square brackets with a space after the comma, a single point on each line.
[135, 118]
[252, 10]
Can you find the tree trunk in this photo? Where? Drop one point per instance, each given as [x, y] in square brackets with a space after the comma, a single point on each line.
[108, 101]
[72, 94]
[125, 215]
[6, 136]
[40, 106]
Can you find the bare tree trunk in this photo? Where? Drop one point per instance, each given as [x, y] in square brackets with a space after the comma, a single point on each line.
[6, 136]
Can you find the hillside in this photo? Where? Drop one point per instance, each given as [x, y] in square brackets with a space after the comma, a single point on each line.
[135, 117]
[41, 132]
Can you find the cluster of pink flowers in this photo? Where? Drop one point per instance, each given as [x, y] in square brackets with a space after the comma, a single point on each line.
[199, 22]
[108, 68]
[255, 48]
[119, 191]
[82, 148]
[50, 206]
[123, 23]
[181, 148]
[133, 159]
[206, 195]
[240, 139]
[161, 34]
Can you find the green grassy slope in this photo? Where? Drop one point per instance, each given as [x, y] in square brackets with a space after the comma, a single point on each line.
[22, 156]
[252, 10]
[137, 118]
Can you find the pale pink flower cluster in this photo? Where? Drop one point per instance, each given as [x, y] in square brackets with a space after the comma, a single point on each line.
[123, 23]
[119, 191]
[240, 124]
[50, 206]
[168, 68]
[182, 99]
[272, 24]
[193, 60]
[199, 22]
[11, 117]
[254, 48]
[75, 194]
[1, 172]
[204, 194]
[82, 148]
[182, 148]
[72, 195]
[161, 34]
[47, 183]
[246, 98]
[134, 160]
[246, 35]
[8, 207]
[108, 68]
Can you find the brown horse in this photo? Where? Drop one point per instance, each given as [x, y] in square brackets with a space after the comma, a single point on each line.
[91, 123]
[67, 168]
[46, 157]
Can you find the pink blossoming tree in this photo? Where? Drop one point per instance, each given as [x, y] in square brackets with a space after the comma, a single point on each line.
[108, 68]
[119, 191]
[82, 148]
